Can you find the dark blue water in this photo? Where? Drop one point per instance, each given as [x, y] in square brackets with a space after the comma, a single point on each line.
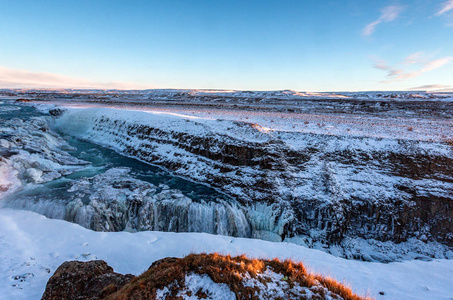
[102, 158]
[10, 109]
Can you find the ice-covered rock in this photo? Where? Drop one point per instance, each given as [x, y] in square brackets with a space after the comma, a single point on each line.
[31, 153]
[116, 201]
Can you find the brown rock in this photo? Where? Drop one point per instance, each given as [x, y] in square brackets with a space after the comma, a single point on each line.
[84, 280]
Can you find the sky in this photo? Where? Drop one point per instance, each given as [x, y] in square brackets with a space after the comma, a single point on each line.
[244, 45]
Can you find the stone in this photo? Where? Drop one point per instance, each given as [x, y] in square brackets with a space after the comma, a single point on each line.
[84, 280]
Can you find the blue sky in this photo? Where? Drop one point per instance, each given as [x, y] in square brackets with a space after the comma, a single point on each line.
[248, 45]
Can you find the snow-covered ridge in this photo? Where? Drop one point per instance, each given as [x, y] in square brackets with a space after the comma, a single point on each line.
[319, 186]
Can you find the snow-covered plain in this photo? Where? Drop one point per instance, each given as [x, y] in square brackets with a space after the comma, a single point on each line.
[32, 247]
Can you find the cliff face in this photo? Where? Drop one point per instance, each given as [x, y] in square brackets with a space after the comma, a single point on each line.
[321, 186]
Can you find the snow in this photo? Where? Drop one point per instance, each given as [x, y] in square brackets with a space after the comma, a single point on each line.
[102, 131]
[275, 286]
[288, 126]
[339, 113]
[195, 282]
[32, 247]
[9, 181]
[33, 154]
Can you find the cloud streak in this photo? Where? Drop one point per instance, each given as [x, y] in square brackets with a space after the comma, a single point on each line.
[382, 65]
[388, 14]
[415, 58]
[446, 7]
[14, 78]
[429, 87]
[429, 66]
[398, 73]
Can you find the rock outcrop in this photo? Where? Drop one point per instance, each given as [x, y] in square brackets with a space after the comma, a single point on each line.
[197, 276]
[84, 280]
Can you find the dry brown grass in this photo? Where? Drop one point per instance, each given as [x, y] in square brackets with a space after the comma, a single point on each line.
[171, 272]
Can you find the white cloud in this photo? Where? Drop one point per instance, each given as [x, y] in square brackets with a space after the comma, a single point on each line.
[446, 7]
[388, 14]
[398, 74]
[415, 58]
[369, 29]
[13, 78]
[430, 87]
[429, 66]
[382, 65]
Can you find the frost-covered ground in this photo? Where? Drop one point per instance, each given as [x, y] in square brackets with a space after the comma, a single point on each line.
[32, 247]
[403, 115]
[331, 124]
[412, 115]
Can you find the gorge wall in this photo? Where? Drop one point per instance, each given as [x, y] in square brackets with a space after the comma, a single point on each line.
[324, 187]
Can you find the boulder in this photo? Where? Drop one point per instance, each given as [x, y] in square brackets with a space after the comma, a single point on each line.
[84, 280]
